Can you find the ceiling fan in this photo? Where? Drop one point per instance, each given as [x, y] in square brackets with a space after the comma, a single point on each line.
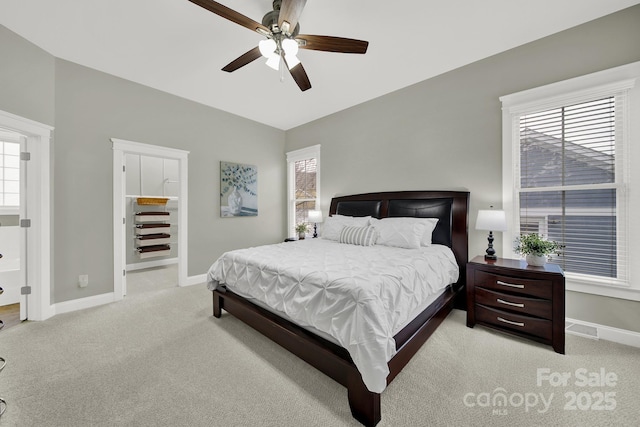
[281, 29]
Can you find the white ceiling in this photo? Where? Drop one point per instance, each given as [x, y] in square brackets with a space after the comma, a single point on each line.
[178, 47]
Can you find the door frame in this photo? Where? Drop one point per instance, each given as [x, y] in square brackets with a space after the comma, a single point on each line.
[38, 210]
[120, 148]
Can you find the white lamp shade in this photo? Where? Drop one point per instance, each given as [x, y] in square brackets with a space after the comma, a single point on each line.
[315, 216]
[274, 62]
[491, 220]
[267, 47]
[290, 46]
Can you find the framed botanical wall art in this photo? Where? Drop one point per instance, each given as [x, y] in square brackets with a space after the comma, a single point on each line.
[238, 190]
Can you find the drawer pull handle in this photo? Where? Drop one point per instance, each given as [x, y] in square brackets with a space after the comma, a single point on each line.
[521, 324]
[513, 304]
[511, 285]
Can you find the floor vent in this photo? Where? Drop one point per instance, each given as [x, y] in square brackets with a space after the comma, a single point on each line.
[582, 330]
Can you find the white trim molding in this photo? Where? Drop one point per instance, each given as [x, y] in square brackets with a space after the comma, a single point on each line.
[83, 303]
[38, 210]
[607, 333]
[151, 264]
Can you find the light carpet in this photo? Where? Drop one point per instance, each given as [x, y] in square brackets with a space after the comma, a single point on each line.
[159, 358]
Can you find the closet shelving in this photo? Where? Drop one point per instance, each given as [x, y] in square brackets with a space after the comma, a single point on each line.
[152, 227]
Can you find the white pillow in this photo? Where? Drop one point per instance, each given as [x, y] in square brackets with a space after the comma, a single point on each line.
[428, 232]
[363, 236]
[333, 225]
[400, 233]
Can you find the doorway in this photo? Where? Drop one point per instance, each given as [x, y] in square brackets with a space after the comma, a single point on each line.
[123, 220]
[12, 188]
[34, 227]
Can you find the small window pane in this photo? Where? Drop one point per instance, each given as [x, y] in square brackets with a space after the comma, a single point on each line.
[12, 174]
[302, 211]
[11, 161]
[12, 148]
[11, 187]
[11, 200]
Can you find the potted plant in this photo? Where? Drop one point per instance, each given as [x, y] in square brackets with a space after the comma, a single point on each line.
[301, 229]
[536, 248]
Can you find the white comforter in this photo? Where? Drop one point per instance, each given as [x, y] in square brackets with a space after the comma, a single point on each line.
[360, 296]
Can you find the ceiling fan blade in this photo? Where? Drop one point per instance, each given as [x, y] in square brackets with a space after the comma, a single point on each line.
[300, 76]
[333, 44]
[243, 60]
[290, 11]
[231, 15]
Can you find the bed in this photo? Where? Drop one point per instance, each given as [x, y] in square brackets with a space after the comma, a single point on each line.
[326, 351]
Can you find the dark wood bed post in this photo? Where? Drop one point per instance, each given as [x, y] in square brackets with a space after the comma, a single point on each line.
[333, 360]
[217, 305]
[364, 404]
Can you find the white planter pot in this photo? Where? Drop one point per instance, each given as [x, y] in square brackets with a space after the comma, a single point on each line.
[537, 261]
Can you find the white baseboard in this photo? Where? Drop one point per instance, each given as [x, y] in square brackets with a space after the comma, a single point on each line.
[196, 280]
[151, 264]
[97, 300]
[607, 333]
[82, 303]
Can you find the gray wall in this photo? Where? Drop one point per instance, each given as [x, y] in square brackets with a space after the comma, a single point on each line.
[90, 108]
[445, 132]
[27, 73]
[87, 108]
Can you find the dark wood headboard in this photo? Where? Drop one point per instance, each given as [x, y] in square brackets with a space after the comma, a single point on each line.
[450, 207]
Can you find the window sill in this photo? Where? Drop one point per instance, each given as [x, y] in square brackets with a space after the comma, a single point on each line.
[632, 294]
[9, 210]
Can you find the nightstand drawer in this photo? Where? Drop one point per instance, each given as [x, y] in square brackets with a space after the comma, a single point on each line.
[510, 302]
[529, 287]
[515, 322]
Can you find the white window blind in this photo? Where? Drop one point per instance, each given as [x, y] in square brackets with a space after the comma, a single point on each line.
[304, 184]
[570, 183]
[9, 174]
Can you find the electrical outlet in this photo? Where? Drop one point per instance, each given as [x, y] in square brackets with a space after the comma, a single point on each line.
[83, 280]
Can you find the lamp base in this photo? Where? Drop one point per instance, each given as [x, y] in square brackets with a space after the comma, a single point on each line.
[491, 253]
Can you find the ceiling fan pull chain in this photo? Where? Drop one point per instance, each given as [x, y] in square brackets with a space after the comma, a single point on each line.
[282, 67]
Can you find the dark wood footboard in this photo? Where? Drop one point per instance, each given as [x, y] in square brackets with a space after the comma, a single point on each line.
[331, 359]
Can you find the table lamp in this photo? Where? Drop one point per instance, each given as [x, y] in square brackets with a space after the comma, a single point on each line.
[315, 217]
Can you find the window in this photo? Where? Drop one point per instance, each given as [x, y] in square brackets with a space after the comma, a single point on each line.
[566, 176]
[9, 175]
[568, 183]
[303, 176]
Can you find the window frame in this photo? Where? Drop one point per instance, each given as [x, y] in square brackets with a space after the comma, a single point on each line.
[615, 81]
[312, 152]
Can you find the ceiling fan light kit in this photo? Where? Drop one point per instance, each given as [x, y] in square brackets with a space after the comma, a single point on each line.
[282, 43]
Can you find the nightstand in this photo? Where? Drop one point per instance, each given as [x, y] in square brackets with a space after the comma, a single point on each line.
[513, 297]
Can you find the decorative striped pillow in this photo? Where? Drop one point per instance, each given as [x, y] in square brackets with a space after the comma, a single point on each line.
[363, 236]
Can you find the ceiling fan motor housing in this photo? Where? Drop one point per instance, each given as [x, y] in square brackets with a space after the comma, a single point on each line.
[270, 20]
